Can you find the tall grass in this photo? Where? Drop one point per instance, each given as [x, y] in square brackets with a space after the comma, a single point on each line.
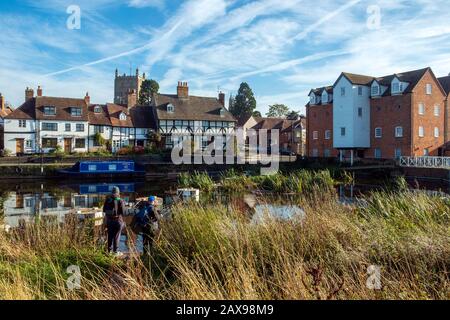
[217, 252]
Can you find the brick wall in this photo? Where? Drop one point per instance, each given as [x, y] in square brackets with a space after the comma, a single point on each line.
[319, 118]
[429, 121]
[388, 113]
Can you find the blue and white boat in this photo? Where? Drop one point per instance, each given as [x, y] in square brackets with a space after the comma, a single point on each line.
[105, 168]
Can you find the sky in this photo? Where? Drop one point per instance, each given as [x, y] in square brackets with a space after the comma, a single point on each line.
[281, 48]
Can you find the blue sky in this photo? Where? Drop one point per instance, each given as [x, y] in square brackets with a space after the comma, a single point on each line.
[282, 48]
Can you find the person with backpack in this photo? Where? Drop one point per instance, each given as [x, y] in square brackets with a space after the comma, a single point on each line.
[147, 223]
[114, 210]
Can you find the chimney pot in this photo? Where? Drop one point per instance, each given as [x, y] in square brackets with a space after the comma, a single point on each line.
[39, 91]
[2, 103]
[222, 99]
[183, 90]
[29, 94]
[87, 99]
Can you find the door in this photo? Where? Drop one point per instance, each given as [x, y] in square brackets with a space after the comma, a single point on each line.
[68, 145]
[20, 146]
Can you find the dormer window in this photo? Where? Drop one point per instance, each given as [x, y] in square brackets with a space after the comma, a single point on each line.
[222, 112]
[324, 97]
[170, 108]
[97, 109]
[50, 111]
[375, 90]
[312, 99]
[75, 112]
[123, 117]
[396, 87]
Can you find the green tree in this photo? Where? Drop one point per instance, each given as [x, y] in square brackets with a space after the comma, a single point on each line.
[148, 89]
[293, 115]
[244, 102]
[257, 114]
[278, 111]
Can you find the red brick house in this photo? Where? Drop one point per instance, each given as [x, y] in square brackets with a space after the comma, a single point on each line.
[445, 82]
[407, 115]
[319, 124]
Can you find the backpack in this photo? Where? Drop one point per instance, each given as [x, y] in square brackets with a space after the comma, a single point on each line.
[112, 209]
[142, 222]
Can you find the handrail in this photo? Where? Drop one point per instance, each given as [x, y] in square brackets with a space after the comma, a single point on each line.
[425, 162]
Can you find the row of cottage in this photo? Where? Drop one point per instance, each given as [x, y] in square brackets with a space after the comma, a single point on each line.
[405, 114]
[43, 124]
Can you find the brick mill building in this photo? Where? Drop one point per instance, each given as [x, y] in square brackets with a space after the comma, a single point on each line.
[445, 82]
[378, 117]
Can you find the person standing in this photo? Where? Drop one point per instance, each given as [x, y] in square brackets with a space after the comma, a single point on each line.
[151, 226]
[114, 210]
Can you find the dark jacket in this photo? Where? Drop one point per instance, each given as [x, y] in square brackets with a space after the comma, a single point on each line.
[114, 208]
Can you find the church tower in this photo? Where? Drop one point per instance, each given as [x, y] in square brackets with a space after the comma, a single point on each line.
[123, 84]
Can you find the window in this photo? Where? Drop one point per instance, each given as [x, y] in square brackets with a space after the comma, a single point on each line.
[436, 132]
[378, 132]
[343, 132]
[324, 97]
[360, 91]
[92, 167]
[112, 167]
[326, 153]
[80, 127]
[421, 132]
[399, 132]
[429, 89]
[97, 109]
[360, 112]
[222, 113]
[378, 153]
[426, 152]
[395, 87]
[170, 108]
[421, 109]
[375, 90]
[99, 129]
[29, 144]
[22, 123]
[68, 127]
[398, 153]
[327, 134]
[50, 111]
[312, 99]
[437, 111]
[80, 143]
[123, 117]
[75, 112]
[49, 126]
[315, 135]
[343, 91]
[49, 143]
[315, 153]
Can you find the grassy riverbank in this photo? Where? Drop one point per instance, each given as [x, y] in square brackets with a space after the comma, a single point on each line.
[217, 252]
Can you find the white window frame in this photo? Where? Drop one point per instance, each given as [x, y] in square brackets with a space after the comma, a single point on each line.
[436, 132]
[437, 110]
[123, 117]
[421, 108]
[312, 100]
[377, 92]
[315, 135]
[429, 89]
[22, 123]
[396, 85]
[397, 130]
[327, 134]
[170, 108]
[421, 132]
[377, 153]
[378, 132]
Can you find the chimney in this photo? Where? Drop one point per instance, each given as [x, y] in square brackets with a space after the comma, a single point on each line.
[132, 99]
[39, 91]
[29, 94]
[222, 98]
[117, 73]
[183, 90]
[2, 103]
[87, 99]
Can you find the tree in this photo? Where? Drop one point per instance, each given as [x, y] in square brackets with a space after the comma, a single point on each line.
[244, 102]
[293, 115]
[148, 89]
[257, 114]
[278, 111]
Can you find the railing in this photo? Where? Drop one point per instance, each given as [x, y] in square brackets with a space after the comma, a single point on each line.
[425, 162]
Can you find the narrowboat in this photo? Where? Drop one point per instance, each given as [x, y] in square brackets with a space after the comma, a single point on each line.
[105, 168]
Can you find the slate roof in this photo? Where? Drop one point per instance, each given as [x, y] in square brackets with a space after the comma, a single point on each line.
[193, 108]
[445, 83]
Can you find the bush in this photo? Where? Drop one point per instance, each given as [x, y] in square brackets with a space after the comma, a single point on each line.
[5, 153]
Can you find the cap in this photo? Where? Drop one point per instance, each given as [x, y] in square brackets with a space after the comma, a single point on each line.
[152, 199]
